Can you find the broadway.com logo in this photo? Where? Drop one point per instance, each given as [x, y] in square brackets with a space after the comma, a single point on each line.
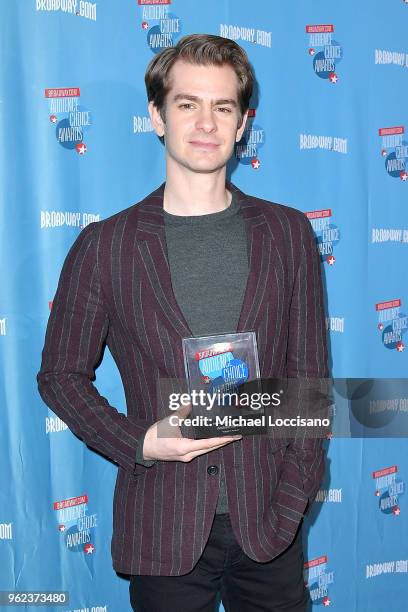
[71, 7]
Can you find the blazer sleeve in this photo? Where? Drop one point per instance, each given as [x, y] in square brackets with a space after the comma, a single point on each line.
[77, 328]
[307, 362]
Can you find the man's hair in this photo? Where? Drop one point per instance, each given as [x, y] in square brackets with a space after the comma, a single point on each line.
[204, 50]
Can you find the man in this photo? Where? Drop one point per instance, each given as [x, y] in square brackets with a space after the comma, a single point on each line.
[193, 518]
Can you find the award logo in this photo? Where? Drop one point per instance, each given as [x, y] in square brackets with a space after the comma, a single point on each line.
[394, 150]
[392, 324]
[162, 27]
[325, 51]
[317, 580]
[221, 369]
[327, 233]
[69, 118]
[76, 525]
[253, 139]
[388, 489]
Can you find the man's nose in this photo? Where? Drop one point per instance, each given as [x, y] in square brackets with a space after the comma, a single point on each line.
[206, 120]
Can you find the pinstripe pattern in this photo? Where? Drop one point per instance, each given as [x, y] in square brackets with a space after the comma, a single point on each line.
[115, 287]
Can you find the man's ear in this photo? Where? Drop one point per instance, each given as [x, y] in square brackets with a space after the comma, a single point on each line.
[156, 119]
[241, 129]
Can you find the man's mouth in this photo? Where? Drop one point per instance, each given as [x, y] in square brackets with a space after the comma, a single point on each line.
[204, 144]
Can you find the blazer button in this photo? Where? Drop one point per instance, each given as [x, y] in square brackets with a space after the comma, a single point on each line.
[212, 470]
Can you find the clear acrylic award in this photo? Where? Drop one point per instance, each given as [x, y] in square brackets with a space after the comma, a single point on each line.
[222, 374]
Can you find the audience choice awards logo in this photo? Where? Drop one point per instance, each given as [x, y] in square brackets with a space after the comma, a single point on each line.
[163, 28]
[325, 51]
[394, 149]
[69, 118]
[327, 233]
[388, 488]
[221, 369]
[76, 525]
[317, 579]
[392, 324]
[253, 139]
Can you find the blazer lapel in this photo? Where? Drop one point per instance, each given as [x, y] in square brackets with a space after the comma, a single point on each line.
[259, 246]
[152, 248]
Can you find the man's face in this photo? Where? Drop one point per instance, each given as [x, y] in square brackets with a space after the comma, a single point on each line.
[201, 116]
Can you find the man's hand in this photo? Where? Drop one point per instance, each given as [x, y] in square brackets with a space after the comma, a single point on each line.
[165, 442]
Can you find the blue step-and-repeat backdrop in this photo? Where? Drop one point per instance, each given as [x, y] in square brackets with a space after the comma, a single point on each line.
[326, 136]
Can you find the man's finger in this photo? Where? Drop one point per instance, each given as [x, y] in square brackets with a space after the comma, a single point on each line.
[193, 454]
[208, 443]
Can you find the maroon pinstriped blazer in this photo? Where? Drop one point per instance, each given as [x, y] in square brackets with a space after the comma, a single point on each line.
[115, 287]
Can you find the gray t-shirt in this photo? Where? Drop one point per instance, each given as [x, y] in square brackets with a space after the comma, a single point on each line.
[209, 268]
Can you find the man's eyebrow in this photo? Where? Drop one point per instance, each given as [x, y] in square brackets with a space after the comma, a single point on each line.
[182, 96]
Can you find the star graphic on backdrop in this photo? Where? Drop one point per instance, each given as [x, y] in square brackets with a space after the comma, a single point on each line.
[333, 77]
[311, 51]
[53, 119]
[145, 25]
[383, 152]
[396, 511]
[89, 548]
[61, 527]
[330, 260]
[400, 346]
[403, 175]
[380, 326]
[255, 163]
[377, 493]
[81, 148]
[326, 601]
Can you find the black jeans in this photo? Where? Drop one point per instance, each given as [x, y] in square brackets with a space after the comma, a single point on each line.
[224, 572]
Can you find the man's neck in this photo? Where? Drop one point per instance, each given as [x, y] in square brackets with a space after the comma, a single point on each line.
[195, 193]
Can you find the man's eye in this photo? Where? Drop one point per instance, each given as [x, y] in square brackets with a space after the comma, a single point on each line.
[224, 109]
[186, 105]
